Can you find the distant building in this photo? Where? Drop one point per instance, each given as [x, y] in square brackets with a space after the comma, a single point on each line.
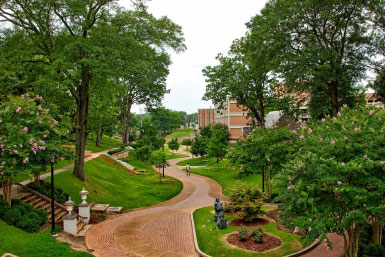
[205, 117]
[373, 100]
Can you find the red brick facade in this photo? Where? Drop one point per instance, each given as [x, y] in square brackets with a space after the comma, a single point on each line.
[205, 117]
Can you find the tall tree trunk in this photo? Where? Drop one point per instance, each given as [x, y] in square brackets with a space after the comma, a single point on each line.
[99, 135]
[81, 126]
[351, 238]
[334, 98]
[126, 104]
[7, 190]
[377, 231]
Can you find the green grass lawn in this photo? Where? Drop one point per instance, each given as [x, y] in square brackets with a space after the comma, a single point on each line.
[212, 242]
[107, 143]
[112, 184]
[170, 156]
[180, 133]
[26, 175]
[227, 177]
[198, 161]
[41, 244]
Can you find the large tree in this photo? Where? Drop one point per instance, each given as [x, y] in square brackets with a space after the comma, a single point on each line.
[60, 34]
[329, 47]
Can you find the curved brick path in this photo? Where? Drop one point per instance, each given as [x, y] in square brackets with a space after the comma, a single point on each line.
[165, 229]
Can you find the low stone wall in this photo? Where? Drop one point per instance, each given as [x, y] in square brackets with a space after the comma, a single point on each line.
[121, 155]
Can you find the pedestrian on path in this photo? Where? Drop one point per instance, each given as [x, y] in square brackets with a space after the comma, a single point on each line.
[188, 169]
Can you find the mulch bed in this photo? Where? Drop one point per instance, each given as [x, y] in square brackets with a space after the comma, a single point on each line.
[116, 164]
[274, 215]
[253, 223]
[269, 242]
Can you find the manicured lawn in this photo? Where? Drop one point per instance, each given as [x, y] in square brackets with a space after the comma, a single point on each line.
[107, 143]
[227, 177]
[212, 242]
[170, 156]
[25, 175]
[112, 184]
[180, 133]
[41, 244]
[207, 160]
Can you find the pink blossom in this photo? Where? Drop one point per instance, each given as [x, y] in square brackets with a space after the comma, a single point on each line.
[321, 139]
[325, 240]
[1, 173]
[289, 188]
[25, 160]
[295, 230]
[365, 156]
[303, 127]
[379, 118]
[371, 112]
[339, 114]
[382, 162]
[31, 141]
[334, 118]
[21, 146]
[33, 151]
[268, 159]
[18, 109]
[352, 122]
[34, 146]
[345, 137]
[345, 106]
[297, 166]
[42, 148]
[25, 129]
[1, 121]
[355, 129]
[37, 114]
[339, 183]
[3, 163]
[343, 164]
[333, 142]
[290, 179]
[16, 152]
[301, 137]
[310, 219]
[56, 122]
[309, 229]
[2, 146]
[40, 122]
[294, 131]
[42, 142]
[45, 136]
[323, 119]
[310, 130]
[327, 126]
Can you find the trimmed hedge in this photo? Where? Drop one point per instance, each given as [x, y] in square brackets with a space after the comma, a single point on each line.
[120, 149]
[22, 215]
[45, 189]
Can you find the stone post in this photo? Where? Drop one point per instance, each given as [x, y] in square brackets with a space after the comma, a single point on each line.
[84, 207]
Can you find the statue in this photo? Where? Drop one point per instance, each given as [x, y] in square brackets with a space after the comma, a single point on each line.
[219, 216]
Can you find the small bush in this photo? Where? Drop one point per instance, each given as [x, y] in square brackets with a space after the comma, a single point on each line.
[12, 216]
[45, 189]
[120, 149]
[243, 233]
[257, 235]
[373, 250]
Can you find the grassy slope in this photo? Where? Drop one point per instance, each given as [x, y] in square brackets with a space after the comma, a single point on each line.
[107, 143]
[227, 177]
[41, 244]
[198, 161]
[211, 241]
[170, 156]
[107, 183]
[180, 133]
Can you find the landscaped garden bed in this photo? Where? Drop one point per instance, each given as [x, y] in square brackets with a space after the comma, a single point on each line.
[269, 242]
[215, 242]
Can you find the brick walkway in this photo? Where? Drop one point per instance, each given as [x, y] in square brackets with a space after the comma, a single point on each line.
[160, 230]
[165, 229]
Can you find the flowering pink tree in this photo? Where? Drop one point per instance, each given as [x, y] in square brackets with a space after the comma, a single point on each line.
[336, 181]
[28, 134]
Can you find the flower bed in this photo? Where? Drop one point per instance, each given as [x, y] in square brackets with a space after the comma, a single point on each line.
[269, 242]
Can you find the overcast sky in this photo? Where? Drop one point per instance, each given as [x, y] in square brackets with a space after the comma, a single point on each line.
[209, 27]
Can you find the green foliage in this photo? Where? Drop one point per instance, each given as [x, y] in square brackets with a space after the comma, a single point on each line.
[45, 189]
[199, 146]
[373, 250]
[257, 235]
[159, 158]
[335, 182]
[186, 142]
[120, 149]
[218, 141]
[173, 144]
[148, 141]
[379, 84]
[23, 216]
[243, 233]
[246, 200]
[165, 120]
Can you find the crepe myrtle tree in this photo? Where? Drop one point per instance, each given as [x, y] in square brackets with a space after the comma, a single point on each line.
[336, 181]
[28, 135]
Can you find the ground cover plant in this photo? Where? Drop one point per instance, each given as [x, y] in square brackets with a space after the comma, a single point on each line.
[211, 241]
[108, 183]
[40, 244]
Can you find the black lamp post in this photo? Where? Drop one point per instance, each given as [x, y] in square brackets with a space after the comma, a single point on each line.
[52, 161]
[163, 159]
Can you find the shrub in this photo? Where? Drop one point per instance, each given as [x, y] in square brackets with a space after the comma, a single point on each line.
[257, 235]
[12, 216]
[373, 250]
[243, 233]
[247, 201]
[45, 189]
[29, 223]
[120, 149]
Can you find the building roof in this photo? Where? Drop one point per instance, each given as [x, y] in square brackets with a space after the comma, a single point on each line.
[272, 117]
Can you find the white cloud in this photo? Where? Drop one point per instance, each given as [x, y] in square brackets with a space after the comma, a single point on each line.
[209, 28]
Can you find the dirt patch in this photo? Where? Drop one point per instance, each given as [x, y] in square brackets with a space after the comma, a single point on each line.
[274, 215]
[253, 223]
[76, 243]
[87, 155]
[269, 242]
[116, 164]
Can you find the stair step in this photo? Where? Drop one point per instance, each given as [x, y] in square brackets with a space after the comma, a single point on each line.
[36, 201]
[46, 206]
[30, 198]
[81, 226]
[83, 232]
[21, 196]
[60, 216]
[40, 204]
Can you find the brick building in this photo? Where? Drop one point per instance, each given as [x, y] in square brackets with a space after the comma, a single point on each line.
[205, 117]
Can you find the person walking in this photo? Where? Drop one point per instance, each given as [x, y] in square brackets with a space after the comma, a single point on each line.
[188, 169]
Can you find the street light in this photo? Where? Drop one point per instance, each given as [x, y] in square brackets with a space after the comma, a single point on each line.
[52, 161]
[163, 159]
